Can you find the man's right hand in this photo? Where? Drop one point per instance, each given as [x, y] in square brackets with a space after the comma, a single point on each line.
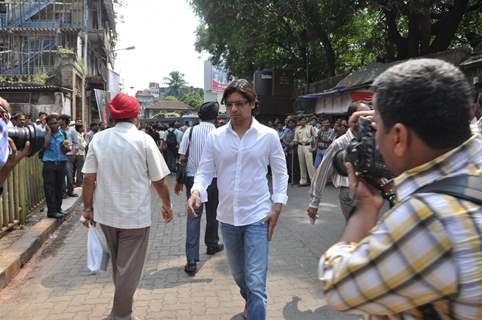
[193, 203]
[352, 122]
[166, 213]
[312, 212]
[178, 188]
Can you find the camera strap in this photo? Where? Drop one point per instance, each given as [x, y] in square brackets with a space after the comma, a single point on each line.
[463, 187]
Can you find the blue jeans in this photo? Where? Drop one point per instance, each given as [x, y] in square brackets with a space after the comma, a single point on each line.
[247, 254]
[319, 156]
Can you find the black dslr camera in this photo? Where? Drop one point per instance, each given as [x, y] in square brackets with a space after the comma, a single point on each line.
[363, 154]
[33, 133]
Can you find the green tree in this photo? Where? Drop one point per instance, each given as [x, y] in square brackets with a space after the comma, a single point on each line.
[170, 98]
[414, 28]
[194, 98]
[319, 38]
[176, 83]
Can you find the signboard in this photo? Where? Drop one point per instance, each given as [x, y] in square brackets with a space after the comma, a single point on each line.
[102, 98]
[113, 83]
[220, 79]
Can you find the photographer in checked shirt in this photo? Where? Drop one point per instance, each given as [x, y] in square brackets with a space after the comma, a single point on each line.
[421, 259]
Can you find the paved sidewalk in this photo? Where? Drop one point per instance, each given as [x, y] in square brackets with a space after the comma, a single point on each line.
[57, 285]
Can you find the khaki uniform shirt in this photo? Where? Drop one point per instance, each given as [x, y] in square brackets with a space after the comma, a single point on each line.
[305, 135]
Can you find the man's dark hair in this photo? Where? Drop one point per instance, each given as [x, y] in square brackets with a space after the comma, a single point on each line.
[41, 113]
[93, 125]
[18, 114]
[354, 106]
[209, 111]
[172, 124]
[51, 117]
[243, 87]
[429, 96]
[64, 118]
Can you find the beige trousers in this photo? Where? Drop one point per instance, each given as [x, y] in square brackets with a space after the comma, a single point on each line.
[128, 249]
[305, 156]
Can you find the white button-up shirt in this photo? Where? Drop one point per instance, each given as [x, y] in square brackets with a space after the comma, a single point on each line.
[199, 137]
[125, 160]
[241, 166]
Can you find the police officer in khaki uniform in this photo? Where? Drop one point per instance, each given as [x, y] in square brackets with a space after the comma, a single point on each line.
[304, 137]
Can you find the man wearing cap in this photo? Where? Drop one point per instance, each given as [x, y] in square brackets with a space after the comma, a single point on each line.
[121, 165]
[192, 146]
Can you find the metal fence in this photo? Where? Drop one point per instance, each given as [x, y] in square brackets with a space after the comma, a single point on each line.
[22, 191]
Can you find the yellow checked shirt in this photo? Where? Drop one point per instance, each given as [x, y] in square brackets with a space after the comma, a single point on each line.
[425, 250]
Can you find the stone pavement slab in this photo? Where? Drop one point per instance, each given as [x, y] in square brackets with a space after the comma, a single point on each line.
[57, 285]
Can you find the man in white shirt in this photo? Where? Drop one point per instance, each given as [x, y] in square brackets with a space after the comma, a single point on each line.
[192, 146]
[238, 154]
[121, 165]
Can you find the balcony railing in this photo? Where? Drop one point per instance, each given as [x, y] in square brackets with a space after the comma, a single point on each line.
[17, 63]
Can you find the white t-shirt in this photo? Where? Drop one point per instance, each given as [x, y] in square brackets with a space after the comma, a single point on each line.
[125, 160]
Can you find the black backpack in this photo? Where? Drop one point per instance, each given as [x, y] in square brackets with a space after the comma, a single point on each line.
[171, 139]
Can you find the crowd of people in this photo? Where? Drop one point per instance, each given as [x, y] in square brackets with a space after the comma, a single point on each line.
[419, 259]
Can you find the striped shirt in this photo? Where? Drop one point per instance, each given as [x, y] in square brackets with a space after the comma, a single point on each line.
[326, 171]
[198, 139]
[425, 250]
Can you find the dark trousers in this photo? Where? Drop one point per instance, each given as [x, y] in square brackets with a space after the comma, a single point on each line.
[171, 159]
[69, 173]
[78, 164]
[193, 225]
[293, 165]
[54, 184]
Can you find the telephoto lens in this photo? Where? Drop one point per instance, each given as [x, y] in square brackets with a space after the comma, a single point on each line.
[33, 133]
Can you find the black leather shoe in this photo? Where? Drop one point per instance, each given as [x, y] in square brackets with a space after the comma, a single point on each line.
[213, 250]
[190, 268]
[55, 215]
[73, 195]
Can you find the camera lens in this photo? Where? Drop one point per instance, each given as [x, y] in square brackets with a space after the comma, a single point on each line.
[33, 133]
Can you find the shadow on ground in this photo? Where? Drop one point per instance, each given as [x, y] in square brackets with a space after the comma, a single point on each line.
[169, 278]
[292, 312]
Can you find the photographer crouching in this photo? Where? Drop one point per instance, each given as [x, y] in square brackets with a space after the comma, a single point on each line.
[421, 259]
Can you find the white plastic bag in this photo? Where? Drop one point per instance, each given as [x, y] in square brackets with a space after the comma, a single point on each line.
[97, 253]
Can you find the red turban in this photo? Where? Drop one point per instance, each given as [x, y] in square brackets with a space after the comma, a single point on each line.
[124, 107]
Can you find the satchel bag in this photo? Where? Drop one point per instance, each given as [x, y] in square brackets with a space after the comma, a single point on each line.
[181, 165]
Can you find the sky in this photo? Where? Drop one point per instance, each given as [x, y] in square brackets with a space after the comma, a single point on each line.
[163, 32]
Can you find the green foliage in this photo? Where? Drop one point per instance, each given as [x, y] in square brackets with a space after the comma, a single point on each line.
[193, 97]
[176, 83]
[67, 51]
[170, 98]
[315, 39]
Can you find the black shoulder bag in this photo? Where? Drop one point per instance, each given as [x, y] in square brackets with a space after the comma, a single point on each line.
[462, 187]
[182, 164]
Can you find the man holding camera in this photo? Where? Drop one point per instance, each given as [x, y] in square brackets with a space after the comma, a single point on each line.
[325, 171]
[192, 146]
[421, 259]
[9, 155]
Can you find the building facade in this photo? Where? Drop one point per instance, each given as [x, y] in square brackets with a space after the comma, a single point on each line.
[54, 53]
